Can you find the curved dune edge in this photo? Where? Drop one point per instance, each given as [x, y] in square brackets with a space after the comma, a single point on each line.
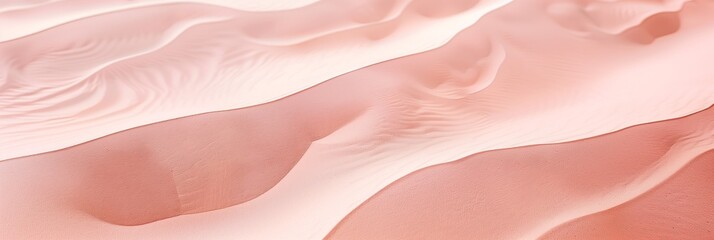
[517, 77]
[183, 61]
[679, 208]
[503, 194]
[72, 10]
[610, 17]
[188, 165]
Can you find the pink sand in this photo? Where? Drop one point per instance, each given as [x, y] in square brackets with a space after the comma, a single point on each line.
[456, 119]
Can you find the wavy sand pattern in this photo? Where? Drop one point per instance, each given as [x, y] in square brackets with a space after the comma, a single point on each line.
[342, 119]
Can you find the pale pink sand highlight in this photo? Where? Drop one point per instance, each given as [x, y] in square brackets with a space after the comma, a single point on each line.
[568, 74]
[101, 73]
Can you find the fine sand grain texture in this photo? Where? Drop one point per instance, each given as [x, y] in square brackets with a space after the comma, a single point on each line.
[613, 179]
[347, 119]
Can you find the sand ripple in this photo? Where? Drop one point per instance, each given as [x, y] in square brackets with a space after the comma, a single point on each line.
[456, 119]
[101, 74]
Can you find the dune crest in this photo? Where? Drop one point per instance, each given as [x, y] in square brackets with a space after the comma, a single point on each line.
[188, 59]
[447, 201]
[343, 119]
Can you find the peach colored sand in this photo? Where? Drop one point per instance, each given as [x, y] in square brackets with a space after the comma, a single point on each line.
[659, 189]
[455, 119]
[114, 65]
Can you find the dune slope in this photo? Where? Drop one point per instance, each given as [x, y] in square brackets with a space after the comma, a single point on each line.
[342, 119]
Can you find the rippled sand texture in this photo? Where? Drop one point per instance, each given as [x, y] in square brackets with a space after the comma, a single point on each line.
[343, 119]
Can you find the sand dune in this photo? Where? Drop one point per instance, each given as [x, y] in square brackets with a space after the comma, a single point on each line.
[189, 59]
[679, 208]
[456, 119]
[182, 166]
[477, 196]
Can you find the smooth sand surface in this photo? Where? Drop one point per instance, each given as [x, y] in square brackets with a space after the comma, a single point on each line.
[339, 119]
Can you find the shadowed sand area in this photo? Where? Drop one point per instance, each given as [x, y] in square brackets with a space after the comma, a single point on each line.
[342, 119]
